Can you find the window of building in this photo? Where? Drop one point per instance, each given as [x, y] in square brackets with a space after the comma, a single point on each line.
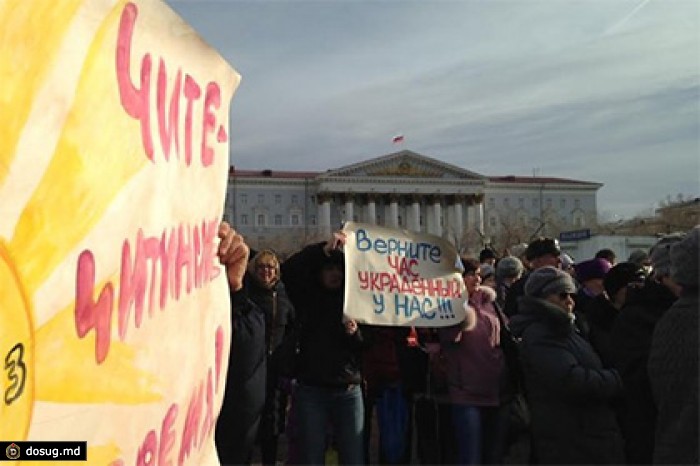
[535, 202]
[577, 203]
[261, 198]
[278, 220]
[295, 219]
[244, 219]
[260, 220]
[244, 198]
[549, 202]
[278, 198]
[521, 202]
[312, 220]
[295, 199]
[492, 221]
[506, 201]
[492, 202]
[562, 203]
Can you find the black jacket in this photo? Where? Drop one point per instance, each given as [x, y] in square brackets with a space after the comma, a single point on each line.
[632, 332]
[328, 355]
[244, 397]
[567, 387]
[280, 320]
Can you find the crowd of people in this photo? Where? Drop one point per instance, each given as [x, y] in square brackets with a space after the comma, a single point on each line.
[558, 361]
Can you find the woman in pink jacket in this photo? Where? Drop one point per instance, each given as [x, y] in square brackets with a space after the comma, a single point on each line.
[475, 371]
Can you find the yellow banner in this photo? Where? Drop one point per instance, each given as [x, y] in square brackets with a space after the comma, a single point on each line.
[114, 154]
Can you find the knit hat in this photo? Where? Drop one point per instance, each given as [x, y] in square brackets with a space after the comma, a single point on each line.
[684, 259]
[638, 256]
[509, 267]
[622, 275]
[592, 269]
[541, 247]
[549, 280]
[660, 255]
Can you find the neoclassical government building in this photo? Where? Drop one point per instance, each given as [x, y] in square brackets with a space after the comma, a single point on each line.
[285, 210]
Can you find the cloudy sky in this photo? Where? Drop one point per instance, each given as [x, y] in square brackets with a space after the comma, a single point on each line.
[596, 90]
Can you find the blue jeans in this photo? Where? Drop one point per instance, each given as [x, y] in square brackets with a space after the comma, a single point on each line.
[481, 433]
[316, 408]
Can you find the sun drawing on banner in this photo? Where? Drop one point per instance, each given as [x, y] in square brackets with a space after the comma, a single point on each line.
[64, 189]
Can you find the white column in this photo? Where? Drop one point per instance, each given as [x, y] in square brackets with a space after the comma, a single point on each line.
[349, 210]
[458, 220]
[480, 216]
[371, 211]
[437, 213]
[415, 213]
[394, 212]
[324, 216]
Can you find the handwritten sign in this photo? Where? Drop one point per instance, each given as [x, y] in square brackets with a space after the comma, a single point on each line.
[400, 278]
[114, 154]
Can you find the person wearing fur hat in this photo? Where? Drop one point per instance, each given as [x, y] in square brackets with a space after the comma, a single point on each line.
[632, 333]
[328, 392]
[475, 370]
[508, 271]
[264, 287]
[673, 361]
[568, 389]
[541, 252]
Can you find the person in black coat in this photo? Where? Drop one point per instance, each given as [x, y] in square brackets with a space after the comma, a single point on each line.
[567, 388]
[632, 333]
[244, 397]
[263, 286]
[328, 391]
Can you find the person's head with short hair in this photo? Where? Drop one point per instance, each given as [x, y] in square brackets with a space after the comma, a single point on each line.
[543, 252]
[553, 285]
[265, 268]
[607, 254]
[487, 256]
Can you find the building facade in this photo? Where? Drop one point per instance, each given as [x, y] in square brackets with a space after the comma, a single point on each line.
[286, 210]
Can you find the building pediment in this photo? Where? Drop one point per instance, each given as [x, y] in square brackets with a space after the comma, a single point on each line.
[403, 164]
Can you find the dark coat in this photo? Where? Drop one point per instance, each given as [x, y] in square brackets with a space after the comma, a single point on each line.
[280, 319]
[567, 387]
[279, 331]
[632, 332]
[328, 355]
[516, 291]
[244, 397]
[601, 316]
[673, 372]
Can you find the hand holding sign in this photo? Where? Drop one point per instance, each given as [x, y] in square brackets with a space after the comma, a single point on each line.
[233, 254]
